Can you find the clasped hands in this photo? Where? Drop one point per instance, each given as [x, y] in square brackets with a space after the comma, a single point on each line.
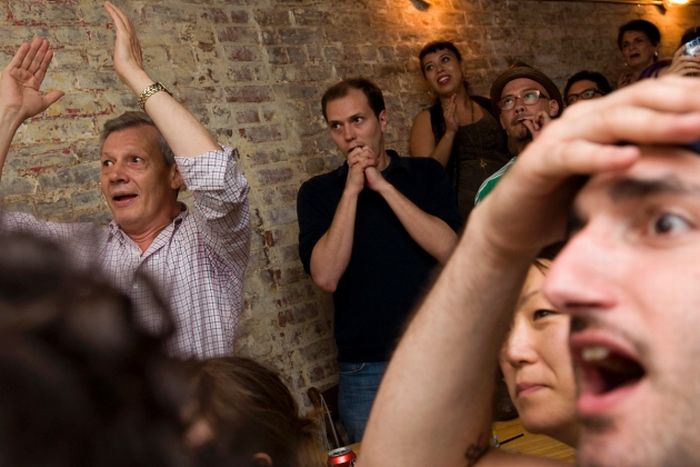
[363, 170]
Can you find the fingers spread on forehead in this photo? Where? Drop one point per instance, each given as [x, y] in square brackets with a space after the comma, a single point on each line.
[633, 124]
[667, 113]
[580, 157]
[670, 94]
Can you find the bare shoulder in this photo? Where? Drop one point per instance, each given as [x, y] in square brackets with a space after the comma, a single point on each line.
[422, 141]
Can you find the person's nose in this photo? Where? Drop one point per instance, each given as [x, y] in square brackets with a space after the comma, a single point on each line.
[348, 133]
[117, 173]
[519, 105]
[518, 349]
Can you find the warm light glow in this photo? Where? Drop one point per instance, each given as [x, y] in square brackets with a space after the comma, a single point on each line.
[671, 3]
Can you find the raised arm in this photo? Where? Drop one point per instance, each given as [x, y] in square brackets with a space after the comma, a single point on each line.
[20, 94]
[432, 404]
[183, 132]
[682, 64]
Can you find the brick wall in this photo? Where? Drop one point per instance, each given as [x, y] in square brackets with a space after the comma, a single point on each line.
[254, 71]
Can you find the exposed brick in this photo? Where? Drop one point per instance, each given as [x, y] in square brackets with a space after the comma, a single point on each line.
[259, 134]
[240, 16]
[248, 94]
[238, 34]
[216, 15]
[255, 72]
[248, 116]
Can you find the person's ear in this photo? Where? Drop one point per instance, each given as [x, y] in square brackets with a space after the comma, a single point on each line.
[553, 108]
[176, 181]
[261, 459]
[383, 120]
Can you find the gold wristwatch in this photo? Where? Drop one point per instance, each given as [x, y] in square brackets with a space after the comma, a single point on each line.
[149, 91]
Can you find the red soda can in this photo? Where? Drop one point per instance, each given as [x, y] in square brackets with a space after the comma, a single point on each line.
[341, 457]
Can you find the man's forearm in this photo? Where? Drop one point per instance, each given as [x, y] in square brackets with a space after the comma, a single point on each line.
[430, 232]
[331, 254]
[440, 379]
[185, 135]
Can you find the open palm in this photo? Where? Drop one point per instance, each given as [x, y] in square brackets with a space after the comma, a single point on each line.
[21, 80]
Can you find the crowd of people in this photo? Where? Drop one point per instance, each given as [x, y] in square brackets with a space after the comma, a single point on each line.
[546, 239]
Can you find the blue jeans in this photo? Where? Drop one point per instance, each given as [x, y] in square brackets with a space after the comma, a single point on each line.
[357, 388]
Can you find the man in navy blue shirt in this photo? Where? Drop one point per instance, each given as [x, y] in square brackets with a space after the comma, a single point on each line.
[371, 231]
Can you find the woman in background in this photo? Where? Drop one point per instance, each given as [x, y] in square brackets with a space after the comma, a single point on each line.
[458, 130]
[639, 41]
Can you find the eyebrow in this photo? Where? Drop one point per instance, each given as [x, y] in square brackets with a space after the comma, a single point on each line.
[631, 188]
[635, 189]
[522, 91]
[350, 118]
[525, 298]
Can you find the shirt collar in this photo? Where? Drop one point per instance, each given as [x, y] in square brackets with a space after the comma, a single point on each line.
[116, 231]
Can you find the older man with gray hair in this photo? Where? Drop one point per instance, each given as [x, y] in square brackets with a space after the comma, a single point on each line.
[197, 258]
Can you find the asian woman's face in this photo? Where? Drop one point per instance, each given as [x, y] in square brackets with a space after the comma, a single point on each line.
[536, 363]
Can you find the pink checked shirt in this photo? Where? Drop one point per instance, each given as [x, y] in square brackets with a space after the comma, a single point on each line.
[197, 262]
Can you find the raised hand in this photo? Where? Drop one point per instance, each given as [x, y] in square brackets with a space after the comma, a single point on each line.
[20, 82]
[537, 124]
[128, 59]
[450, 114]
[682, 64]
[585, 140]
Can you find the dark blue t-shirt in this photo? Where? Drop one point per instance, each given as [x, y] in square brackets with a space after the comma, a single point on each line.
[388, 271]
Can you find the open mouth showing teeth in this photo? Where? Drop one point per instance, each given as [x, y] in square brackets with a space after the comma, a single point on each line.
[123, 197]
[606, 370]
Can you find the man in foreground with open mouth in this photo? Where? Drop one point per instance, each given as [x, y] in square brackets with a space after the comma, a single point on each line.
[628, 277]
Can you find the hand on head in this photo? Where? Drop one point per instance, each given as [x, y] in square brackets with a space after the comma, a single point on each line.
[20, 81]
[584, 141]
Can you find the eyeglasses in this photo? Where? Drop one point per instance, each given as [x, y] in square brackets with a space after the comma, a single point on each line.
[529, 97]
[586, 94]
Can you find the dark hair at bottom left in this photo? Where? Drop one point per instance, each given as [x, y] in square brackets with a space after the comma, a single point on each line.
[83, 384]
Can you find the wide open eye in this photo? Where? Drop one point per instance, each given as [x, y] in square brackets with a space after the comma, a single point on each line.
[669, 223]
